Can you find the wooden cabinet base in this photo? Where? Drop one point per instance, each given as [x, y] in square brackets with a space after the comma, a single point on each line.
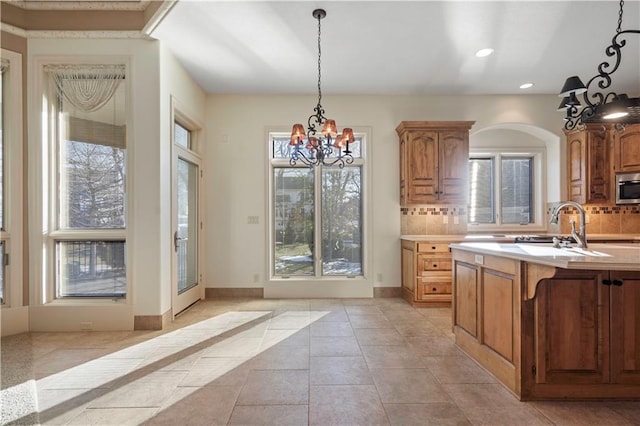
[434, 301]
[549, 333]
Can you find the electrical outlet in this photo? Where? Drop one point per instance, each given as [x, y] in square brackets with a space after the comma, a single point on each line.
[379, 277]
[256, 278]
[87, 325]
[445, 219]
[253, 220]
[456, 220]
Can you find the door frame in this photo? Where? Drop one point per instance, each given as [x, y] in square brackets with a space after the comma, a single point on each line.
[181, 302]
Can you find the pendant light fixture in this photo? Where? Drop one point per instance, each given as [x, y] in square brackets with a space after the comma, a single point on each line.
[321, 144]
[600, 107]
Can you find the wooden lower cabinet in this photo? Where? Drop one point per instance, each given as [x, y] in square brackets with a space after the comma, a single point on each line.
[426, 273]
[549, 333]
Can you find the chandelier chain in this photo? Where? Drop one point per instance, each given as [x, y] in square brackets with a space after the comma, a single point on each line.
[620, 17]
[319, 62]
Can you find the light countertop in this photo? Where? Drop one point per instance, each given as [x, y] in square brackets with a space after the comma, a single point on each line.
[619, 257]
[509, 237]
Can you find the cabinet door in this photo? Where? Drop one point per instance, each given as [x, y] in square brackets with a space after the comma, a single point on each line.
[625, 327]
[403, 169]
[498, 315]
[408, 273]
[572, 329]
[422, 168]
[599, 166]
[466, 297]
[627, 149]
[576, 168]
[453, 166]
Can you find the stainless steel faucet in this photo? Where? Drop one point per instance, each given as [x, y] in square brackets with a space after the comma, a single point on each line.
[580, 237]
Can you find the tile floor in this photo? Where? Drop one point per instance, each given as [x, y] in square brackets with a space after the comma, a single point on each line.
[279, 362]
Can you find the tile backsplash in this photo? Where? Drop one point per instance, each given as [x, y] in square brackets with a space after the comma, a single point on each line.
[452, 219]
[600, 219]
[433, 220]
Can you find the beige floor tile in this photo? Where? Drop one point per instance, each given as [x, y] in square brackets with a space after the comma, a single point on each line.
[431, 414]
[369, 321]
[363, 310]
[206, 355]
[507, 416]
[294, 415]
[395, 356]
[285, 338]
[457, 369]
[416, 329]
[331, 329]
[281, 358]
[434, 345]
[346, 405]
[408, 386]
[334, 346]
[275, 387]
[582, 413]
[210, 405]
[331, 316]
[379, 336]
[481, 395]
[340, 370]
[217, 371]
[113, 416]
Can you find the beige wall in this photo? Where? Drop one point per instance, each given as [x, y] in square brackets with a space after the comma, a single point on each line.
[236, 158]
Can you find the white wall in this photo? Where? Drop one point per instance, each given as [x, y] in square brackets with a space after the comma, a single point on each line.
[237, 151]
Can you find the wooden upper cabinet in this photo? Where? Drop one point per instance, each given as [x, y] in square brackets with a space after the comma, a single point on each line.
[434, 158]
[589, 164]
[627, 149]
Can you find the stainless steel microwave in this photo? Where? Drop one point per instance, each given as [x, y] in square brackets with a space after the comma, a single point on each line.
[627, 188]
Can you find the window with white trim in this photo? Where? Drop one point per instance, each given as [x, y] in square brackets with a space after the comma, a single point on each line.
[317, 221]
[11, 179]
[505, 190]
[87, 180]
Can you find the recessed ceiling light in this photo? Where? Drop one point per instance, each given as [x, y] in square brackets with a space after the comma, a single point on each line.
[484, 52]
[526, 85]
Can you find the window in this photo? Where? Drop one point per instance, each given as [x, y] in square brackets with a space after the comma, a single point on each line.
[316, 215]
[12, 212]
[505, 190]
[88, 180]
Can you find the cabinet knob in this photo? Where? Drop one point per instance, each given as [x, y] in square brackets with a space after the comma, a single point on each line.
[434, 289]
[617, 282]
[435, 265]
[606, 282]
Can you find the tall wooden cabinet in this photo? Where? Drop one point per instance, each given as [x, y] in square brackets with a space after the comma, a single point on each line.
[594, 155]
[589, 164]
[434, 158]
[627, 149]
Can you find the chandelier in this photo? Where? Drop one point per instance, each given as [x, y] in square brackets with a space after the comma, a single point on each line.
[600, 107]
[321, 144]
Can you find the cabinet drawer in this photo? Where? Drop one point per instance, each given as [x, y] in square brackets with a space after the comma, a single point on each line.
[430, 263]
[433, 247]
[426, 289]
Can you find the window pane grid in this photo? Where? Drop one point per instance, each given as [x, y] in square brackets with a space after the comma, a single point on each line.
[91, 269]
[309, 239]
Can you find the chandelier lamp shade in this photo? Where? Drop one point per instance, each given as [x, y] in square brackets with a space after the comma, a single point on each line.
[599, 105]
[322, 143]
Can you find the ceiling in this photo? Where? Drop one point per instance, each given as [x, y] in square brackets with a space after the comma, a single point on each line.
[389, 47]
[393, 47]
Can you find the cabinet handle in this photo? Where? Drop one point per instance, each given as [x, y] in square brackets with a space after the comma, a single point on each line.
[434, 289]
[617, 282]
[435, 265]
[606, 282]
[433, 248]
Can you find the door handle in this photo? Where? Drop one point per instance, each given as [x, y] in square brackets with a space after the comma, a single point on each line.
[177, 239]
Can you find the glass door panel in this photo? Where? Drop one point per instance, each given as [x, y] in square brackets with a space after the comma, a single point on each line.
[186, 237]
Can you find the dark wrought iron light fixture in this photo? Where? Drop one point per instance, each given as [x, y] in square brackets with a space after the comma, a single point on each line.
[317, 147]
[600, 107]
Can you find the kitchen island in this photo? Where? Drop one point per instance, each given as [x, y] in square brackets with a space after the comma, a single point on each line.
[551, 323]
